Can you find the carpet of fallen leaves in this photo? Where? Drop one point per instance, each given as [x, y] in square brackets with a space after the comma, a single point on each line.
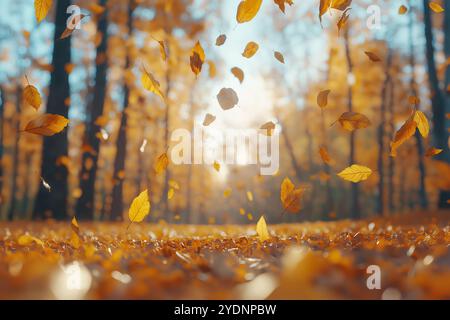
[322, 260]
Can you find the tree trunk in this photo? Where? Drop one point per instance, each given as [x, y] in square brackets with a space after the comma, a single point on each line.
[381, 134]
[2, 113]
[121, 143]
[354, 209]
[85, 204]
[54, 204]
[16, 153]
[165, 207]
[391, 160]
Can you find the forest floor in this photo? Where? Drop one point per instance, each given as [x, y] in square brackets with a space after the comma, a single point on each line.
[322, 260]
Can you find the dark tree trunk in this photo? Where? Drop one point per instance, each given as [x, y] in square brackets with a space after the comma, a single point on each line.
[121, 143]
[165, 207]
[391, 160]
[16, 153]
[381, 133]
[54, 204]
[422, 193]
[292, 155]
[354, 208]
[2, 113]
[85, 204]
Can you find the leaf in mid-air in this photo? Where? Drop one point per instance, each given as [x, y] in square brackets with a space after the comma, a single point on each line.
[355, 173]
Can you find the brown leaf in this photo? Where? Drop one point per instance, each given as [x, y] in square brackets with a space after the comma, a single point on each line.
[404, 133]
[47, 124]
[227, 98]
[32, 97]
[353, 120]
[279, 56]
[323, 152]
[197, 58]
[238, 73]
[372, 56]
[281, 4]
[221, 40]
[402, 10]
[209, 118]
[290, 196]
[322, 98]
[161, 163]
[250, 49]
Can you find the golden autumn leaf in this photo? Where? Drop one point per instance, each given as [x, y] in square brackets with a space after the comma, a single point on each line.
[162, 50]
[31, 96]
[197, 58]
[227, 98]
[174, 184]
[238, 73]
[247, 10]
[216, 166]
[355, 173]
[139, 208]
[290, 196]
[74, 225]
[261, 229]
[250, 196]
[372, 56]
[422, 123]
[209, 118]
[68, 67]
[325, 5]
[161, 163]
[282, 4]
[405, 132]
[220, 40]
[250, 49]
[323, 152]
[47, 124]
[279, 56]
[353, 120]
[402, 9]
[151, 84]
[432, 152]
[322, 98]
[170, 193]
[269, 127]
[212, 68]
[26, 240]
[227, 192]
[436, 7]
[41, 9]
[242, 211]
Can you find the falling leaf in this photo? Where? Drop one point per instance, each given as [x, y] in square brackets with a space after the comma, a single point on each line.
[161, 163]
[249, 216]
[227, 98]
[436, 7]
[355, 173]
[290, 196]
[74, 21]
[140, 207]
[250, 49]
[227, 192]
[269, 127]
[46, 185]
[250, 196]
[322, 98]
[209, 118]
[150, 84]
[26, 240]
[422, 123]
[325, 5]
[47, 124]
[406, 131]
[278, 56]
[414, 100]
[282, 4]
[173, 184]
[238, 73]
[221, 40]
[74, 225]
[402, 10]
[247, 10]
[343, 19]
[212, 69]
[432, 152]
[261, 229]
[143, 145]
[31, 96]
[197, 58]
[68, 67]
[372, 56]
[242, 211]
[41, 8]
[216, 166]
[170, 193]
[353, 120]
[323, 152]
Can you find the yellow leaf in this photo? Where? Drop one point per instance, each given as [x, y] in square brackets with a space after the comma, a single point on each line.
[324, 155]
[406, 131]
[402, 10]
[322, 98]
[242, 211]
[355, 173]
[75, 240]
[26, 239]
[47, 124]
[227, 98]
[173, 184]
[150, 84]
[281, 4]
[227, 192]
[74, 225]
[216, 166]
[197, 58]
[261, 229]
[209, 118]
[170, 193]
[140, 207]
[247, 10]
[432, 152]
[212, 69]
[221, 40]
[290, 196]
[250, 49]
[353, 120]
[31, 96]
[162, 50]
[279, 56]
[422, 123]
[161, 163]
[250, 196]
[238, 73]
[372, 56]
[249, 216]
[436, 7]
[41, 9]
